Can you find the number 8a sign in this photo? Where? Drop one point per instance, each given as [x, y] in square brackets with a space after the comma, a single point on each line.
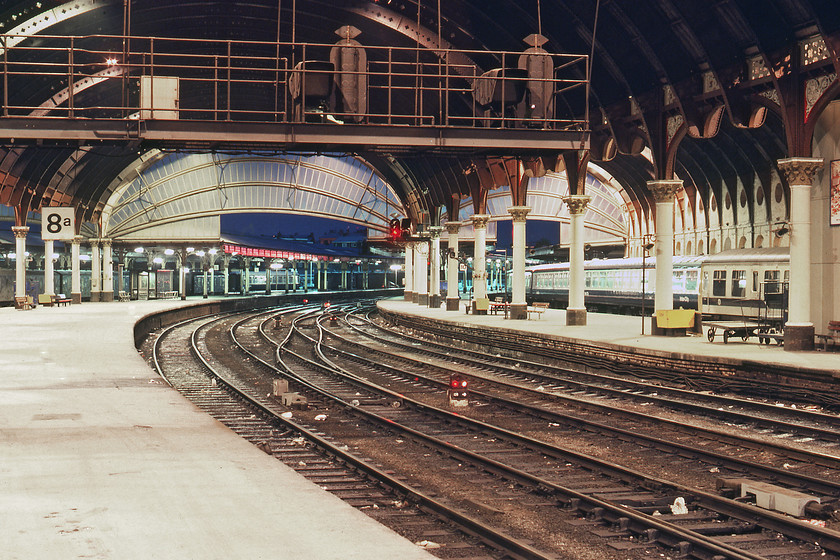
[58, 223]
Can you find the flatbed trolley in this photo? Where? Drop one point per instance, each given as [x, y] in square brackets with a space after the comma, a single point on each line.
[743, 329]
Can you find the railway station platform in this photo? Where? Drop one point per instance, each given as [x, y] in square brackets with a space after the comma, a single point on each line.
[624, 332]
[99, 458]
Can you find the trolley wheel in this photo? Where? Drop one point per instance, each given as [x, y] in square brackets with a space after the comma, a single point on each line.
[711, 334]
[725, 336]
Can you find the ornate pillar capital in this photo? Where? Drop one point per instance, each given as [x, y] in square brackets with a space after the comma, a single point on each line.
[480, 221]
[518, 213]
[106, 241]
[577, 203]
[20, 231]
[78, 239]
[800, 170]
[435, 231]
[664, 191]
[453, 227]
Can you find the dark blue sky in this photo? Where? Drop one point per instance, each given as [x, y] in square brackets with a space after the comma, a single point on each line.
[267, 225]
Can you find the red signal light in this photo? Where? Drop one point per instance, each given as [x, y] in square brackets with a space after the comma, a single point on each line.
[457, 382]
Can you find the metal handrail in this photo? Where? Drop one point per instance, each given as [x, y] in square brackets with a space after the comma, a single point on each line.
[225, 80]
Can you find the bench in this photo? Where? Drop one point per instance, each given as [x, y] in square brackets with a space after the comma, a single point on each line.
[24, 302]
[499, 304]
[539, 308]
[170, 295]
[61, 299]
[45, 299]
[833, 336]
[124, 296]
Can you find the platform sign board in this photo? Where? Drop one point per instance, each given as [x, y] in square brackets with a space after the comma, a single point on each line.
[58, 223]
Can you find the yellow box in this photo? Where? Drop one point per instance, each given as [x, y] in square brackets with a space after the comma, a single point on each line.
[675, 318]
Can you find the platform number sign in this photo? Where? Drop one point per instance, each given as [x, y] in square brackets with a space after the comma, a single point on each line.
[58, 222]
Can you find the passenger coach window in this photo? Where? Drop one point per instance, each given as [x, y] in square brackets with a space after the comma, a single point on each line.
[690, 280]
[739, 283]
[719, 283]
[771, 282]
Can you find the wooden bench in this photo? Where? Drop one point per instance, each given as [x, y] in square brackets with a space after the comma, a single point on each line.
[538, 308]
[499, 304]
[46, 300]
[61, 299]
[832, 338]
[124, 296]
[23, 302]
[170, 295]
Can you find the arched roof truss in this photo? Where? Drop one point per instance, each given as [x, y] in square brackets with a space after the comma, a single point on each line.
[177, 186]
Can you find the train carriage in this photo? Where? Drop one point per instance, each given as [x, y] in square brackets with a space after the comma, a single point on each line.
[732, 284]
[747, 284]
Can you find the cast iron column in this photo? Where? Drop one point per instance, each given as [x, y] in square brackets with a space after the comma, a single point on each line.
[452, 297]
[576, 310]
[663, 194]
[479, 259]
[20, 259]
[518, 304]
[409, 294]
[76, 273]
[49, 267]
[107, 287]
[434, 257]
[95, 271]
[799, 172]
[421, 272]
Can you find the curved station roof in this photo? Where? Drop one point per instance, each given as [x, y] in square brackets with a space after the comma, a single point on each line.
[144, 113]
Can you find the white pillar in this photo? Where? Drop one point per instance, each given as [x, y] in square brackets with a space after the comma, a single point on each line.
[182, 274]
[421, 272]
[226, 264]
[20, 259]
[76, 271]
[576, 310]
[49, 267]
[246, 275]
[409, 294]
[479, 256]
[434, 257]
[799, 329]
[663, 194]
[107, 271]
[95, 271]
[518, 304]
[205, 268]
[452, 297]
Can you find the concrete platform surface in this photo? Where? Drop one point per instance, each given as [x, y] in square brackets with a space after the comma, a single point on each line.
[625, 331]
[100, 459]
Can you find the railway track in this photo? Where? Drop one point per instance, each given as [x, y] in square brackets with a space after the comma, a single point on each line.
[720, 450]
[235, 397]
[761, 380]
[616, 472]
[629, 508]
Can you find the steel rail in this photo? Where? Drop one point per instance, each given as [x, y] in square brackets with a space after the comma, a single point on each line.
[745, 512]
[515, 548]
[815, 484]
